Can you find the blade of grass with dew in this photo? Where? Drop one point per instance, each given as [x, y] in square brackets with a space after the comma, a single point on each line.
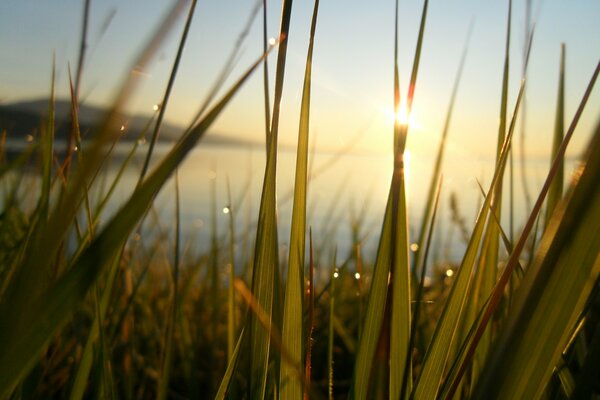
[293, 314]
[556, 189]
[21, 344]
[266, 245]
[430, 378]
[551, 295]
[498, 291]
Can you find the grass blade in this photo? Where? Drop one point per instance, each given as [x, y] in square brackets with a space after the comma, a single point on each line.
[556, 189]
[266, 247]
[290, 387]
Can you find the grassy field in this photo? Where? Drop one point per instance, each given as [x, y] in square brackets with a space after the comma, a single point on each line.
[105, 310]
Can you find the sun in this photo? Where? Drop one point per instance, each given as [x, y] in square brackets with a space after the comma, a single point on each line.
[402, 116]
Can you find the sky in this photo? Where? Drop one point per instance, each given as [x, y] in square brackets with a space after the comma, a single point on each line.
[352, 91]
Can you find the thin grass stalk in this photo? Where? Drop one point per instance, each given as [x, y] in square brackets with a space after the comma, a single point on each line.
[331, 332]
[231, 367]
[79, 73]
[266, 77]
[427, 211]
[498, 291]
[421, 288]
[293, 315]
[163, 106]
[556, 188]
[165, 373]
[47, 150]
[526, 46]
[231, 271]
[310, 292]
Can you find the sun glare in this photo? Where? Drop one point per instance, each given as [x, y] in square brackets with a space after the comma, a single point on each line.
[402, 116]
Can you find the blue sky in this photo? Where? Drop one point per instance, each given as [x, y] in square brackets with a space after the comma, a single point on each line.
[353, 61]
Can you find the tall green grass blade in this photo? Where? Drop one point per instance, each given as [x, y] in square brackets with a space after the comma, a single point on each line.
[22, 342]
[551, 296]
[556, 189]
[498, 291]
[430, 379]
[421, 288]
[293, 315]
[400, 362]
[264, 279]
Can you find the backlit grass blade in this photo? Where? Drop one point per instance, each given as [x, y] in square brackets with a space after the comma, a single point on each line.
[293, 332]
[266, 246]
[400, 363]
[444, 336]
[556, 189]
[551, 296]
[26, 334]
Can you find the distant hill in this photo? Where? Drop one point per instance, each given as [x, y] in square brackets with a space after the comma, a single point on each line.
[25, 118]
